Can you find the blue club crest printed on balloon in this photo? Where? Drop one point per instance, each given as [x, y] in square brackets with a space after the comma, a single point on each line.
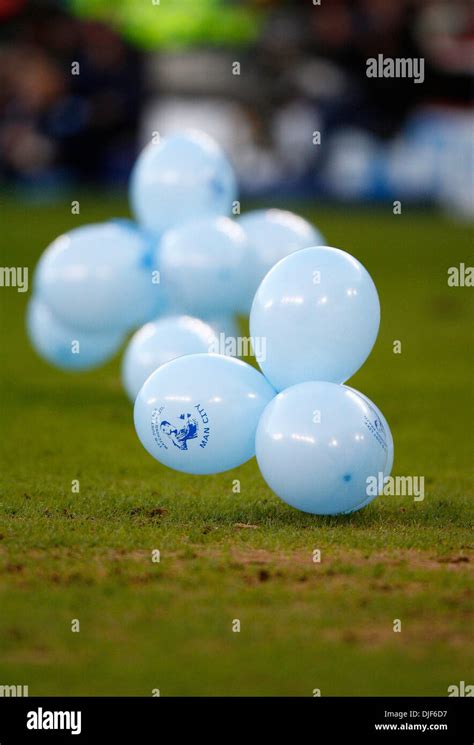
[375, 427]
[379, 428]
[177, 434]
[382, 427]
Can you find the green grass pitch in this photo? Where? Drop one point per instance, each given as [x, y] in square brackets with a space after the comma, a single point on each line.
[225, 556]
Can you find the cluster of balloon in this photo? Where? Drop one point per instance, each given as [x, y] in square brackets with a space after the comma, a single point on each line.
[320, 444]
[183, 256]
[92, 285]
[181, 274]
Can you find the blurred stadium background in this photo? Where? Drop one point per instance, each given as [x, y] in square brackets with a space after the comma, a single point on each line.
[159, 66]
[148, 67]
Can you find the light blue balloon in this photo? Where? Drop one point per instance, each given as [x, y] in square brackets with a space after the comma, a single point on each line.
[224, 324]
[204, 266]
[100, 278]
[228, 335]
[67, 348]
[319, 312]
[317, 445]
[183, 177]
[274, 234]
[227, 325]
[162, 341]
[198, 414]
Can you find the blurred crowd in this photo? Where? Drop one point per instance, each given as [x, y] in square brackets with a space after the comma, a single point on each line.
[70, 97]
[306, 73]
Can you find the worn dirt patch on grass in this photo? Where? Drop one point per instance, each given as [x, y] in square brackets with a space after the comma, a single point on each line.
[385, 572]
